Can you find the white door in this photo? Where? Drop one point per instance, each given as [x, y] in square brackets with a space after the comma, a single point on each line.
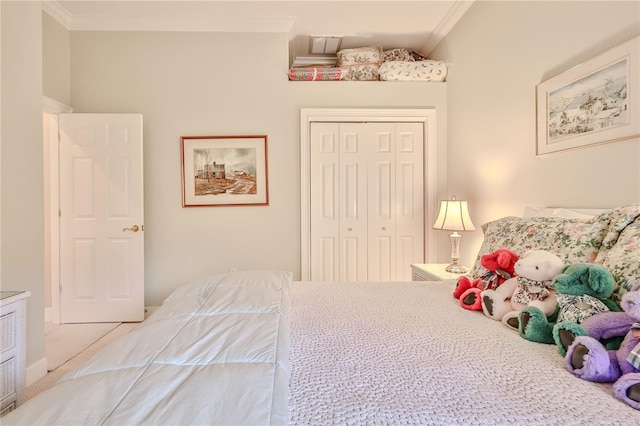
[101, 218]
[355, 146]
[325, 202]
[409, 200]
[367, 201]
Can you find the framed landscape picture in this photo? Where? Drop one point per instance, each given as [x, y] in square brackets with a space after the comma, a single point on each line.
[593, 103]
[224, 171]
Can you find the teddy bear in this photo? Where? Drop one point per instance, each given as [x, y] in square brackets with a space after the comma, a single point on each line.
[588, 359]
[499, 266]
[582, 290]
[531, 287]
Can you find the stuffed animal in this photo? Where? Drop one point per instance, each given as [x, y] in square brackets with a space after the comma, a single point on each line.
[588, 359]
[499, 266]
[532, 287]
[582, 290]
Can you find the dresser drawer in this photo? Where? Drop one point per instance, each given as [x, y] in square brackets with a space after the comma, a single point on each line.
[7, 331]
[13, 306]
[8, 379]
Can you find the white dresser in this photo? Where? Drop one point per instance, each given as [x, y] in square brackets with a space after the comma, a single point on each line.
[13, 339]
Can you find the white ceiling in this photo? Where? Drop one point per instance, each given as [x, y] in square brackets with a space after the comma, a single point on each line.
[416, 24]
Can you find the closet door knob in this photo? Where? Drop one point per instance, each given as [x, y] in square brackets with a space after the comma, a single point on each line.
[349, 229]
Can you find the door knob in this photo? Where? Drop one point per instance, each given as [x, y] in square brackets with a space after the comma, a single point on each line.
[134, 228]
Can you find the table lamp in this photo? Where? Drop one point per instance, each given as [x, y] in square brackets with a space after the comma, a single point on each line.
[454, 216]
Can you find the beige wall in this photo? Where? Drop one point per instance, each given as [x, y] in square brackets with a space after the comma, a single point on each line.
[21, 218]
[56, 57]
[218, 84]
[190, 83]
[499, 52]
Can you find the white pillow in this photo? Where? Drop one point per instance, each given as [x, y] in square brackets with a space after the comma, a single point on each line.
[564, 213]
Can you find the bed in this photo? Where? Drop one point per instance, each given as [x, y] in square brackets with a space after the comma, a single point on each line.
[255, 347]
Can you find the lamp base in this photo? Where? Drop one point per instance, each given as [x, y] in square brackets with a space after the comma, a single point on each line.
[456, 269]
[455, 255]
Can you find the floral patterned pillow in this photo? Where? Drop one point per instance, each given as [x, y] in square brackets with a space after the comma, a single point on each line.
[620, 218]
[623, 260]
[574, 240]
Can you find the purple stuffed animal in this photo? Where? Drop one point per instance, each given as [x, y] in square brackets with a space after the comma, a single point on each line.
[587, 359]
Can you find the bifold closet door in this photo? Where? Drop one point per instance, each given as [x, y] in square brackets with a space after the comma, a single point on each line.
[354, 156]
[409, 201]
[366, 201]
[325, 223]
[395, 201]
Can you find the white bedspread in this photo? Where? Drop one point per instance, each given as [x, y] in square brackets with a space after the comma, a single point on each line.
[214, 353]
[231, 349]
[406, 353]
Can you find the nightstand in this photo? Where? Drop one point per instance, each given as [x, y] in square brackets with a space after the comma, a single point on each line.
[432, 272]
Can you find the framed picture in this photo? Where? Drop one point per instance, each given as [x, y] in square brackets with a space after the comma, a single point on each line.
[224, 171]
[593, 103]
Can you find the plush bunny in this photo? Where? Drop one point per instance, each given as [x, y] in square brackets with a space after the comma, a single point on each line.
[582, 290]
[532, 287]
[588, 359]
[499, 266]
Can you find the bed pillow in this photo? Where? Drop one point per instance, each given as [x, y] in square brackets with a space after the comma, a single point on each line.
[531, 211]
[620, 218]
[623, 260]
[574, 240]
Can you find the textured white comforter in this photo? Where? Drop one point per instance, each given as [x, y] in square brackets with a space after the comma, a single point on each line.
[406, 353]
[231, 349]
[214, 353]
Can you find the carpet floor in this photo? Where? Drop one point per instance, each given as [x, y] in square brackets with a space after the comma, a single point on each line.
[78, 358]
[64, 341]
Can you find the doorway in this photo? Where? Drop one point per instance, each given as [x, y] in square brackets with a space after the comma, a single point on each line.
[94, 268]
[50, 111]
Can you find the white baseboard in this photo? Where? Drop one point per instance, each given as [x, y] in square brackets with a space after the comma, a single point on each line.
[148, 310]
[36, 371]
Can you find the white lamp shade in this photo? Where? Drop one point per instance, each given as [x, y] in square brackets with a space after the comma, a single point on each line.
[454, 216]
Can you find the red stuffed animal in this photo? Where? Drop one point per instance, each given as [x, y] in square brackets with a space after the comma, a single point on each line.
[499, 265]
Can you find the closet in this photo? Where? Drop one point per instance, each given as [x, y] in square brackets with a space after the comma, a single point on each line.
[366, 200]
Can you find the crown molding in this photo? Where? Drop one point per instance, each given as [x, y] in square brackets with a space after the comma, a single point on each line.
[198, 24]
[57, 12]
[456, 12]
[195, 23]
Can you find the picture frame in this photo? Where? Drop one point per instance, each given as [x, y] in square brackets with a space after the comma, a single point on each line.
[224, 171]
[593, 103]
